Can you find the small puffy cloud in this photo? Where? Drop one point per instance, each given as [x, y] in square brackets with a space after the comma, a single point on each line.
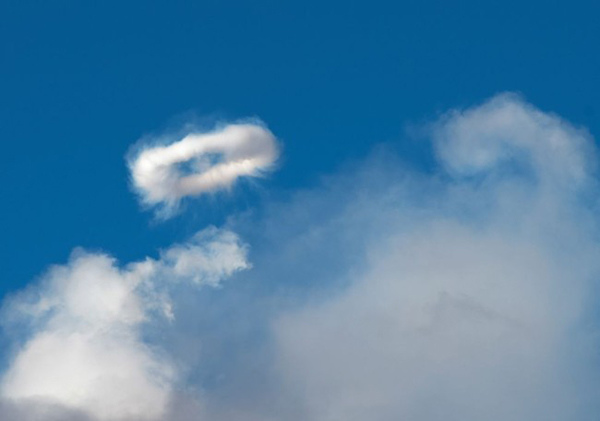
[211, 255]
[85, 350]
[214, 161]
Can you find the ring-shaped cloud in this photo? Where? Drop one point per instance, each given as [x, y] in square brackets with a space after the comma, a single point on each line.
[214, 160]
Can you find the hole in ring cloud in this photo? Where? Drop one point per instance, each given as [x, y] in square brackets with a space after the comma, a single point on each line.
[202, 162]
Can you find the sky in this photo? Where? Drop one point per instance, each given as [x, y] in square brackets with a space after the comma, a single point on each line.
[306, 211]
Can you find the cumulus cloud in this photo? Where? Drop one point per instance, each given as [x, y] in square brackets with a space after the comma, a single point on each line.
[463, 291]
[476, 297]
[85, 349]
[217, 160]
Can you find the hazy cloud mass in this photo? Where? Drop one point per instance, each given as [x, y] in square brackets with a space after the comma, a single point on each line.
[467, 291]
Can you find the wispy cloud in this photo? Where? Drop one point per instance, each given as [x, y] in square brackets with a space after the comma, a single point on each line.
[507, 130]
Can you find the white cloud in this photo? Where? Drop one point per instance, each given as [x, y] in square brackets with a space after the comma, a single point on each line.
[507, 130]
[465, 292]
[218, 159]
[475, 298]
[208, 257]
[86, 351]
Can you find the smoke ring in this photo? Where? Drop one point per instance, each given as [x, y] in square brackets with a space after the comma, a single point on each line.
[243, 150]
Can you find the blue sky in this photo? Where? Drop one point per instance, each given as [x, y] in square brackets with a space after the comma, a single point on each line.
[81, 82]
[350, 91]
